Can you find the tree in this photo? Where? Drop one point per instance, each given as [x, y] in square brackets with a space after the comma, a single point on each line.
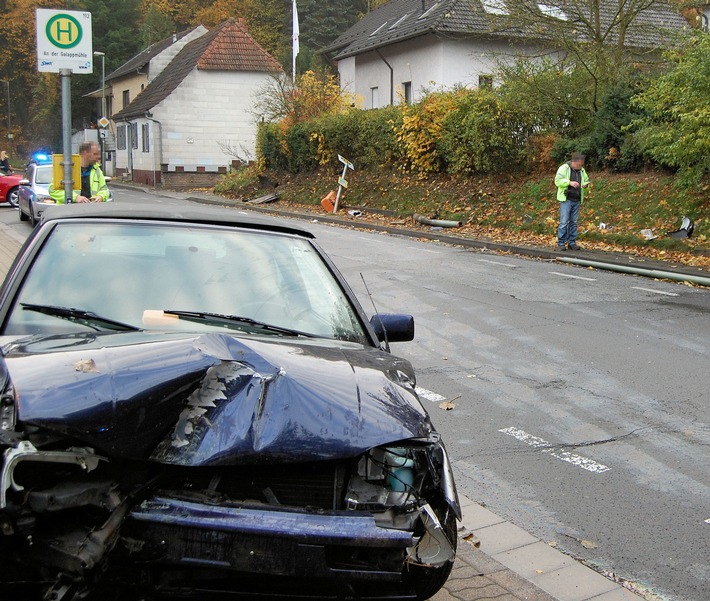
[591, 41]
[675, 127]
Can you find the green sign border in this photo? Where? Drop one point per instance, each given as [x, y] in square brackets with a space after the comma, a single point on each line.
[56, 43]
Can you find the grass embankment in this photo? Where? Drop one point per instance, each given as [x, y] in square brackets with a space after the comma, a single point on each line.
[515, 209]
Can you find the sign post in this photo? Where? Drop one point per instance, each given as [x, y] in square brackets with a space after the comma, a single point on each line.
[64, 46]
[342, 182]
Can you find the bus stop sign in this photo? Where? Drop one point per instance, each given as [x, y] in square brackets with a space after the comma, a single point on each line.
[64, 41]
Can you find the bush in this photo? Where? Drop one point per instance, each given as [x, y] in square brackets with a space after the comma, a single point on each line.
[366, 138]
[271, 146]
[483, 134]
[421, 130]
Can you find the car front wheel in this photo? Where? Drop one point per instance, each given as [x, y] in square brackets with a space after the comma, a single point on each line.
[23, 216]
[13, 196]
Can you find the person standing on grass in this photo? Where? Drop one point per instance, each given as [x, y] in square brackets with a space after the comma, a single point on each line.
[571, 179]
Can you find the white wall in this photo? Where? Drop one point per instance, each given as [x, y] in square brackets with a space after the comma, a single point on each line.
[429, 62]
[161, 60]
[208, 108]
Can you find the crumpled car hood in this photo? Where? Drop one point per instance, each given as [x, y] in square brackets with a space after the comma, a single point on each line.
[215, 398]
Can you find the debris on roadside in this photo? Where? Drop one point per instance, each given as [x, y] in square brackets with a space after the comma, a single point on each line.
[264, 199]
[648, 234]
[686, 229]
[436, 222]
[328, 202]
[468, 536]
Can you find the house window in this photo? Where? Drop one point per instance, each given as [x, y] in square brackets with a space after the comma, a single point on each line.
[126, 98]
[145, 137]
[121, 137]
[398, 21]
[407, 91]
[429, 10]
[374, 97]
[495, 7]
[134, 135]
[380, 28]
[552, 11]
[485, 81]
[109, 106]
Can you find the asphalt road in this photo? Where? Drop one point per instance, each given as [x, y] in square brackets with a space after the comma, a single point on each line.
[581, 397]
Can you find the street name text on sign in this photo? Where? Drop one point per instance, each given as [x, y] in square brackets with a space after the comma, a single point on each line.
[64, 41]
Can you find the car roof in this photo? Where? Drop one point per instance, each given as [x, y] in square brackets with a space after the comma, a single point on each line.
[191, 213]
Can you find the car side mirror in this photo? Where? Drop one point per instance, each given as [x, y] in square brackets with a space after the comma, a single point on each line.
[24, 182]
[394, 327]
[107, 178]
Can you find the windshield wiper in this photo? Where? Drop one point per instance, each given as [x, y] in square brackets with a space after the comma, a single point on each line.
[229, 320]
[81, 316]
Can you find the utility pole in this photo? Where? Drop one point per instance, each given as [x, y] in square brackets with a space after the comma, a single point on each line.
[102, 129]
[9, 123]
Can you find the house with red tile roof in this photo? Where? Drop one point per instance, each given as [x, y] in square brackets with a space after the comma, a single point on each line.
[193, 120]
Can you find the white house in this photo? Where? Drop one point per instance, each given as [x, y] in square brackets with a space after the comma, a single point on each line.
[194, 118]
[406, 47]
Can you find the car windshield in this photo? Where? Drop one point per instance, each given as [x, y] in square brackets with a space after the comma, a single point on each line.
[43, 175]
[181, 277]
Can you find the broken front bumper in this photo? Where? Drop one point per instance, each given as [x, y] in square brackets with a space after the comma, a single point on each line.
[280, 542]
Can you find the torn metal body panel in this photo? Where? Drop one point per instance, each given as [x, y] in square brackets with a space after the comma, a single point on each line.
[199, 400]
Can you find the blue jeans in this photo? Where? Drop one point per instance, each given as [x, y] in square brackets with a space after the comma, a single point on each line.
[567, 231]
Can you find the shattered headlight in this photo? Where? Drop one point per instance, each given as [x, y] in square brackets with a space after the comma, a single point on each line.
[400, 486]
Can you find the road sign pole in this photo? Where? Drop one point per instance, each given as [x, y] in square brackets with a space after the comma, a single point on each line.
[65, 75]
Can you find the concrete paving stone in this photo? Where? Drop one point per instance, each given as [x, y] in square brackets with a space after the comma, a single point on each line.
[444, 595]
[475, 516]
[521, 588]
[533, 560]
[618, 594]
[575, 582]
[464, 570]
[478, 583]
[503, 537]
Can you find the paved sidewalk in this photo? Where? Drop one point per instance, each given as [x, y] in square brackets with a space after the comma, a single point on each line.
[512, 565]
[507, 563]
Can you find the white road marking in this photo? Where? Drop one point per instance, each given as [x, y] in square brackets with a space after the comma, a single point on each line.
[655, 291]
[574, 277]
[707, 521]
[497, 263]
[546, 447]
[429, 395]
[424, 250]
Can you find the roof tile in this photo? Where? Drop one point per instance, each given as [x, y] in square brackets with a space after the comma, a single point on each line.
[227, 47]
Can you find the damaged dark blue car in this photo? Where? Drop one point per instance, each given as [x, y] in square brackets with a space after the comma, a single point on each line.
[194, 404]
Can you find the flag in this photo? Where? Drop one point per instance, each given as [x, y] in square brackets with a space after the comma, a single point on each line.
[296, 33]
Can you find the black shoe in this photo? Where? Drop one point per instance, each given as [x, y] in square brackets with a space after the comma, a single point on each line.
[561, 248]
[574, 247]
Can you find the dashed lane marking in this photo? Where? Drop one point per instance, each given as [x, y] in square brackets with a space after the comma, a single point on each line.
[584, 462]
[429, 395]
[497, 263]
[655, 291]
[574, 277]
